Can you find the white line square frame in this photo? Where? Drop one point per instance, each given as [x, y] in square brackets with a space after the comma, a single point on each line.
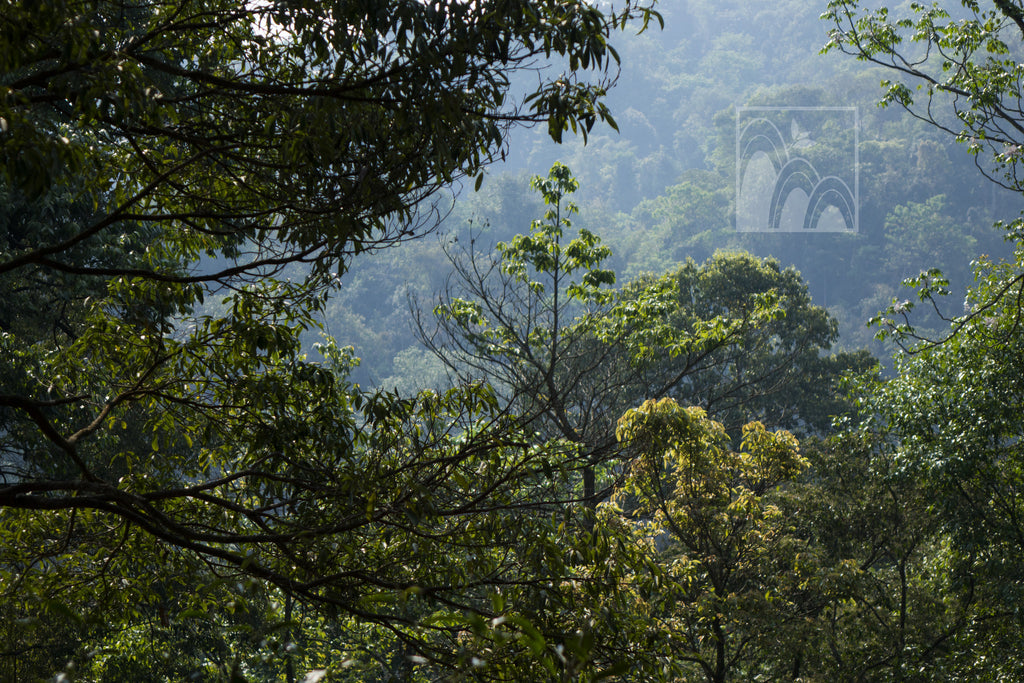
[797, 169]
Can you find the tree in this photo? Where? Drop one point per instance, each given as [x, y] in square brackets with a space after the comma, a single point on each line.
[877, 598]
[325, 125]
[772, 367]
[167, 167]
[952, 419]
[949, 419]
[953, 69]
[525, 322]
[726, 600]
[540, 322]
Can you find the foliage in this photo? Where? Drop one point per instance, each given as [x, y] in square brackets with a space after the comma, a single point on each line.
[184, 493]
[957, 69]
[769, 366]
[949, 419]
[407, 514]
[726, 601]
[953, 415]
[325, 125]
[539, 323]
[878, 599]
[914, 511]
[183, 181]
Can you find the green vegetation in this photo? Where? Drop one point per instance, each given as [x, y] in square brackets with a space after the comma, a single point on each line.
[662, 450]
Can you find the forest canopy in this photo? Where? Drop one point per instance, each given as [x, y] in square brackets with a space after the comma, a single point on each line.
[167, 167]
[620, 441]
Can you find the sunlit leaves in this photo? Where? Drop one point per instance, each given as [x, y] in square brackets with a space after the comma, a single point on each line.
[730, 550]
[541, 254]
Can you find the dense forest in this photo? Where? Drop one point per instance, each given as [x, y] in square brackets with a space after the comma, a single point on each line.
[661, 189]
[390, 340]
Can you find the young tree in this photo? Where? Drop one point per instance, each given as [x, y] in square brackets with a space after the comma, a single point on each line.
[526, 322]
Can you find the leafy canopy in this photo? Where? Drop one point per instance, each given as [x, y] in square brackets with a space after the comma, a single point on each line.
[727, 591]
[278, 131]
[182, 181]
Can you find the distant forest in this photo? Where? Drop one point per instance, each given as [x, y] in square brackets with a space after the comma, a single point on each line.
[661, 189]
